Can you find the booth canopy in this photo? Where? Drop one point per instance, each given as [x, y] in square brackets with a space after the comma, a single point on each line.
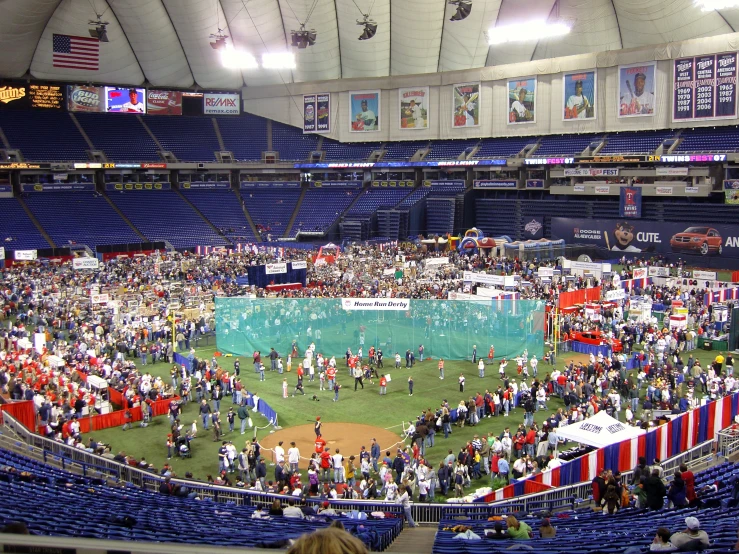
[599, 430]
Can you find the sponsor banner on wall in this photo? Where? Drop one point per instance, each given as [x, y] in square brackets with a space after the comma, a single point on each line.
[579, 94]
[691, 190]
[495, 184]
[618, 294]
[85, 263]
[275, 268]
[99, 298]
[650, 236]
[579, 188]
[630, 204]
[221, 103]
[6, 190]
[656, 271]
[364, 111]
[640, 273]
[602, 189]
[671, 170]
[345, 184]
[299, 265]
[704, 87]
[534, 183]
[522, 101]
[466, 105]
[376, 304]
[85, 98]
[591, 172]
[731, 190]
[534, 229]
[164, 102]
[25, 255]
[112, 187]
[269, 184]
[663, 191]
[204, 185]
[545, 272]
[637, 89]
[414, 108]
[484, 278]
[704, 275]
[58, 187]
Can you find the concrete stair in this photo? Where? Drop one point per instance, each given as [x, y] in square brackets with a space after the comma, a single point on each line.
[414, 540]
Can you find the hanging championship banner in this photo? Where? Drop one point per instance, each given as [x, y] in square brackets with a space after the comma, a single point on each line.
[704, 87]
[466, 105]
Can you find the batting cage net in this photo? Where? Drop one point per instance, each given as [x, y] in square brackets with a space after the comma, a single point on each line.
[449, 329]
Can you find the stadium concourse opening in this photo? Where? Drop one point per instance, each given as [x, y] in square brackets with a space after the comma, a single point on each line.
[448, 329]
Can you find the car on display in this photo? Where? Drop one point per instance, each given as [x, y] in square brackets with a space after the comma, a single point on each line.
[705, 240]
[597, 338]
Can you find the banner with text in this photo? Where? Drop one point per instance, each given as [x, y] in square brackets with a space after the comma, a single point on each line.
[591, 172]
[85, 98]
[164, 102]
[58, 187]
[704, 87]
[630, 205]
[112, 187]
[637, 85]
[376, 304]
[495, 184]
[221, 104]
[275, 268]
[85, 263]
[649, 236]
[317, 113]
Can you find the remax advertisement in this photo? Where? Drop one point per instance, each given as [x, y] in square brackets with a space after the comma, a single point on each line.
[621, 235]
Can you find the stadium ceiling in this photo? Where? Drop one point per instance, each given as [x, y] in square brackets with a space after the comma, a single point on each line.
[166, 43]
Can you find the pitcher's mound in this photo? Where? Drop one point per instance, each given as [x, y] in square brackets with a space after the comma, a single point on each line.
[347, 437]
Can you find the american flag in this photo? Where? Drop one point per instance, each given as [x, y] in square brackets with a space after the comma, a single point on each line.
[76, 52]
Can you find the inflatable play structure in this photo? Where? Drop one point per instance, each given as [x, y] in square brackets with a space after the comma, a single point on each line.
[542, 249]
[475, 241]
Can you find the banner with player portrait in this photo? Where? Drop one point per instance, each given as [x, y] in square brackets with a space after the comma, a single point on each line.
[579, 94]
[466, 105]
[637, 95]
[317, 113]
[364, 111]
[414, 108]
[522, 101]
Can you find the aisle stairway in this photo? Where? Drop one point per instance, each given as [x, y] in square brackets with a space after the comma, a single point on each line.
[414, 540]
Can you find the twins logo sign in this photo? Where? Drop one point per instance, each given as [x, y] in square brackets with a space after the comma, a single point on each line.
[534, 228]
[630, 205]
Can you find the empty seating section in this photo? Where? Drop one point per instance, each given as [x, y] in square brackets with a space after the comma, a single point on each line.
[321, 207]
[163, 215]
[403, 150]
[564, 145]
[244, 136]
[378, 197]
[723, 139]
[291, 143]
[643, 142]
[497, 216]
[451, 188]
[337, 151]
[223, 209]
[502, 147]
[584, 531]
[122, 137]
[439, 215]
[16, 225]
[416, 196]
[190, 139]
[449, 149]
[693, 211]
[271, 208]
[79, 217]
[87, 508]
[44, 136]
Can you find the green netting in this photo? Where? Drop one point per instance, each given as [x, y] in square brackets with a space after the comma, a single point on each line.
[447, 329]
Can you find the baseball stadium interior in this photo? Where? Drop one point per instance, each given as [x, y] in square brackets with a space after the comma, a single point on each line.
[199, 182]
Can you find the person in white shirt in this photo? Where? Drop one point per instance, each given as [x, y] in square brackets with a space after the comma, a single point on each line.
[577, 104]
[534, 365]
[414, 111]
[338, 461]
[279, 453]
[293, 457]
[133, 104]
[293, 511]
[518, 111]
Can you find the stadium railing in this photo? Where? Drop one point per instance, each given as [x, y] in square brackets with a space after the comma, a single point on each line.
[90, 465]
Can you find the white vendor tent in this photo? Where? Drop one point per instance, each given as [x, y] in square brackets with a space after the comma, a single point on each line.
[599, 431]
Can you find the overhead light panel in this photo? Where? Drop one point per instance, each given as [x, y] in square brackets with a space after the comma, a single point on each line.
[370, 28]
[99, 30]
[710, 5]
[280, 60]
[237, 59]
[464, 7]
[536, 29]
[303, 38]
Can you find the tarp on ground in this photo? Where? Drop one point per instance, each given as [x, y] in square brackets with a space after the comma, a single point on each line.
[599, 430]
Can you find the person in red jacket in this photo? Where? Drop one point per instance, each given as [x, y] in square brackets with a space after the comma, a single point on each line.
[530, 441]
[689, 479]
[325, 465]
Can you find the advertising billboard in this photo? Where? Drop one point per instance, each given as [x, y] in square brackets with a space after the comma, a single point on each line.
[164, 102]
[125, 100]
[48, 97]
[621, 235]
[82, 98]
[221, 103]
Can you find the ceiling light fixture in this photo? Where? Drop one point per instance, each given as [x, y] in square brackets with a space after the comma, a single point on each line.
[303, 38]
[370, 27]
[218, 40]
[536, 29]
[237, 59]
[710, 5]
[279, 60]
[464, 7]
[99, 29]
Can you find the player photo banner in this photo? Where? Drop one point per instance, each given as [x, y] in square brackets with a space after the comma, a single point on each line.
[414, 108]
[731, 190]
[637, 90]
[466, 105]
[522, 101]
[630, 205]
[309, 113]
[579, 95]
[704, 87]
[364, 111]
